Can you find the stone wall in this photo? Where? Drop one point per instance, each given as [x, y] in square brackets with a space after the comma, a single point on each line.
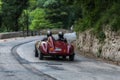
[10, 35]
[110, 49]
[30, 33]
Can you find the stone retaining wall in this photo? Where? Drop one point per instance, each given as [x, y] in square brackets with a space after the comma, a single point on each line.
[10, 35]
[110, 49]
[30, 33]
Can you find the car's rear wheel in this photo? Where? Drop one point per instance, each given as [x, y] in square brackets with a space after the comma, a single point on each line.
[71, 57]
[36, 52]
[41, 56]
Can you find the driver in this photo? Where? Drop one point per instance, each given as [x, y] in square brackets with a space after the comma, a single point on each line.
[61, 37]
[49, 33]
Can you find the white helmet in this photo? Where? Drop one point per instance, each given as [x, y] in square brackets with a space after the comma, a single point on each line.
[60, 34]
[49, 33]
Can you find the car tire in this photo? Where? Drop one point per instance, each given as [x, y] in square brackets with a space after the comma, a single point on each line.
[41, 56]
[71, 57]
[36, 52]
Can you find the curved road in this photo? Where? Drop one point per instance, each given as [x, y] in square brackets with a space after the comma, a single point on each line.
[11, 68]
[17, 62]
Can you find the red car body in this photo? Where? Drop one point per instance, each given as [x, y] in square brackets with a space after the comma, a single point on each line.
[53, 47]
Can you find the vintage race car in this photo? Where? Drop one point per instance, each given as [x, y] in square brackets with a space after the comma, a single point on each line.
[53, 47]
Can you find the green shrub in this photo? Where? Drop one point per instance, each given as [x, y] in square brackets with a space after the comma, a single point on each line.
[97, 17]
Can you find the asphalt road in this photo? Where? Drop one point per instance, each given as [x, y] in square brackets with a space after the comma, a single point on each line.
[11, 68]
[17, 62]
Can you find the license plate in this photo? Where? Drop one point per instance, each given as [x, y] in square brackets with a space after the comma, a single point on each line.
[58, 49]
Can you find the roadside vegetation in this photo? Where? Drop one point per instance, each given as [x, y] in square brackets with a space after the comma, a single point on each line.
[20, 15]
[17, 15]
[98, 15]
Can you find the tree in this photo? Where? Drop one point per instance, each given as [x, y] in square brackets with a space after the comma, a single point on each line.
[38, 21]
[64, 11]
[11, 11]
[56, 13]
[24, 20]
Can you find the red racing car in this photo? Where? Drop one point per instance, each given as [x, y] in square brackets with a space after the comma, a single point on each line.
[53, 47]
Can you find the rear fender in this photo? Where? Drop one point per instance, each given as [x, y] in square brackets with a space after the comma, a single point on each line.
[70, 49]
[43, 47]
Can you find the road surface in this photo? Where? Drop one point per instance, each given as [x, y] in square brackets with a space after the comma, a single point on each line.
[17, 62]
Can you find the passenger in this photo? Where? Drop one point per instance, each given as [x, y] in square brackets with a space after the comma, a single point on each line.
[61, 37]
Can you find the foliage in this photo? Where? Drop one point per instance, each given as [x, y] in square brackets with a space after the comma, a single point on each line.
[32, 4]
[24, 20]
[97, 17]
[11, 11]
[54, 12]
[40, 3]
[38, 14]
[38, 21]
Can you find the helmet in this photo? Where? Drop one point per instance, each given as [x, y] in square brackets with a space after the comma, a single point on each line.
[49, 33]
[60, 34]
